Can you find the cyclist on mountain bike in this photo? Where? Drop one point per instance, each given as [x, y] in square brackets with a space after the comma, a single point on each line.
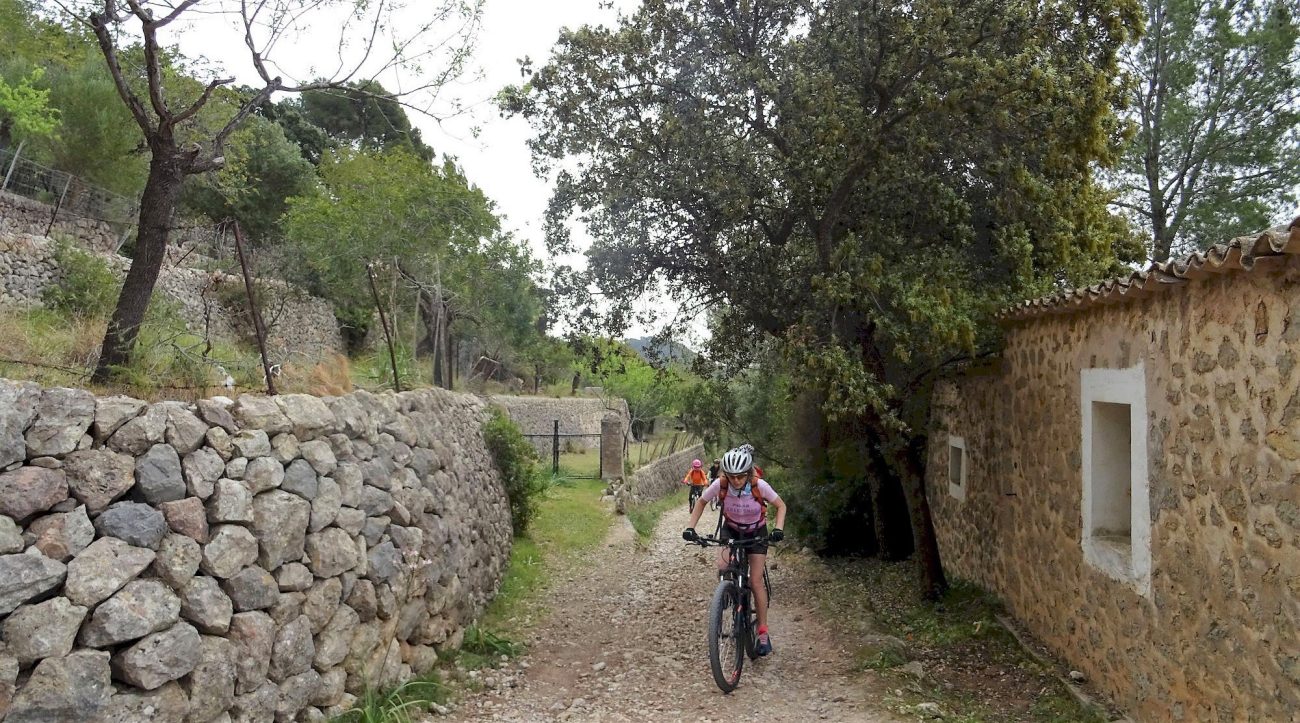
[745, 498]
[696, 479]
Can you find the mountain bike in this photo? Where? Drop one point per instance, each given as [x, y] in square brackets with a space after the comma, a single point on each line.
[733, 621]
[693, 495]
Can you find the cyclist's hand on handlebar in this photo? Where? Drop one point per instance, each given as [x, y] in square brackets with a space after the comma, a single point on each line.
[690, 535]
[776, 535]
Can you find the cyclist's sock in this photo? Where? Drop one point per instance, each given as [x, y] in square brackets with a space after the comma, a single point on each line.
[762, 630]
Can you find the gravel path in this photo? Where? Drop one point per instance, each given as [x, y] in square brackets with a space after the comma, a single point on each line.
[624, 640]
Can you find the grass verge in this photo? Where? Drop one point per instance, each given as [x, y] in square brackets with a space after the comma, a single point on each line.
[404, 704]
[645, 517]
[952, 653]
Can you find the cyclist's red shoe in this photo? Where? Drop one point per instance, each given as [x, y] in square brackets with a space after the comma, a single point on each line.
[764, 645]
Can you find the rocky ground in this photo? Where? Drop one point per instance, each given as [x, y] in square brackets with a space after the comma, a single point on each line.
[625, 641]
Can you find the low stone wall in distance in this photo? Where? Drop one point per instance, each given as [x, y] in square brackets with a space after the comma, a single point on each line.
[20, 215]
[577, 415]
[663, 475]
[263, 559]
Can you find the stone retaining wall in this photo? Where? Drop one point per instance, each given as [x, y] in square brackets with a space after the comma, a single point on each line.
[1211, 630]
[577, 415]
[298, 325]
[19, 215]
[259, 560]
[664, 475]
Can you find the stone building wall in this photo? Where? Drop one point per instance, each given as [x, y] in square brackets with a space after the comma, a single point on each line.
[577, 415]
[1211, 634]
[298, 324]
[264, 559]
[19, 215]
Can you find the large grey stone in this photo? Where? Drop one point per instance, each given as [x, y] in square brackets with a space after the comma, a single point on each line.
[332, 688]
[293, 577]
[280, 521]
[300, 479]
[111, 413]
[220, 441]
[97, 477]
[331, 552]
[363, 600]
[141, 432]
[17, 409]
[231, 501]
[325, 507]
[103, 568]
[263, 473]
[134, 522]
[284, 447]
[61, 535]
[253, 634]
[167, 704]
[287, 608]
[28, 490]
[350, 520]
[140, 608]
[217, 414]
[43, 630]
[75, 687]
[11, 537]
[184, 431]
[258, 412]
[251, 443]
[375, 501]
[296, 693]
[8, 681]
[385, 563]
[158, 475]
[178, 560]
[293, 651]
[231, 549]
[350, 480]
[27, 577]
[159, 658]
[257, 706]
[320, 456]
[202, 468]
[205, 606]
[187, 517]
[62, 417]
[308, 415]
[252, 589]
[322, 600]
[212, 683]
[334, 640]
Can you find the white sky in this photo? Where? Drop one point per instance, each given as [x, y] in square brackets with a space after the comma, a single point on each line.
[497, 159]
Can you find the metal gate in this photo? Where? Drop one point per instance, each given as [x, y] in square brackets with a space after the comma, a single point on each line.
[574, 455]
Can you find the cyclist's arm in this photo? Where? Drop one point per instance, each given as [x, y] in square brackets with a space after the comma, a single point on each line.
[774, 500]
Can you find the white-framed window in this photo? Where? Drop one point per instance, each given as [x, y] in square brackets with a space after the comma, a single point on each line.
[1116, 487]
[957, 464]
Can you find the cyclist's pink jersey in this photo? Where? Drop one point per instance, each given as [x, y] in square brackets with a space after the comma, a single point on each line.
[740, 508]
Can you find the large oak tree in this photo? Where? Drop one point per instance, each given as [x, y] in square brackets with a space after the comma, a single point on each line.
[864, 181]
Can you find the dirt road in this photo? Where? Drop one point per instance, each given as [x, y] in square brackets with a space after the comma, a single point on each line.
[624, 640]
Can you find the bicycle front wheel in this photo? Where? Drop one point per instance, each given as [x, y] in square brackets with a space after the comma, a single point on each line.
[726, 636]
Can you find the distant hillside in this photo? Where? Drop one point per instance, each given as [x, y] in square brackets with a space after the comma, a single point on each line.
[647, 350]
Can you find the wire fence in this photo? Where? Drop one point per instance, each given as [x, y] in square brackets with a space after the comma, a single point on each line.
[70, 197]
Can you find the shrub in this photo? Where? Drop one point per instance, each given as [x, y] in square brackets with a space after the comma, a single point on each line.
[517, 461]
[89, 285]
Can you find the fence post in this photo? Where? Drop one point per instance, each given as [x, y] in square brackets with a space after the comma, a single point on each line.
[54, 216]
[258, 329]
[12, 164]
[555, 449]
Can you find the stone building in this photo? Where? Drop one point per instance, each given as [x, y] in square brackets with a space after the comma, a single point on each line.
[1125, 475]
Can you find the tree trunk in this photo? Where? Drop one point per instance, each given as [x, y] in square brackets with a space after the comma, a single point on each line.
[912, 475]
[1162, 241]
[161, 194]
[449, 368]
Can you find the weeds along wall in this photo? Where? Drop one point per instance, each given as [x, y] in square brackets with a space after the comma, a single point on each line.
[211, 303]
[262, 559]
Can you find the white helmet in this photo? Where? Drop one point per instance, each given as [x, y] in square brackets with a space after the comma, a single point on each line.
[737, 461]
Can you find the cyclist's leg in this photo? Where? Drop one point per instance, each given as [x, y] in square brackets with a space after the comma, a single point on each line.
[756, 585]
[724, 552]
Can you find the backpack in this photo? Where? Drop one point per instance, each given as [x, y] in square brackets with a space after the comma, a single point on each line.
[753, 490]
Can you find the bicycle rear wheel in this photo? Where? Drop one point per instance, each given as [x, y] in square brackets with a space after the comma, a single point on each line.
[726, 636]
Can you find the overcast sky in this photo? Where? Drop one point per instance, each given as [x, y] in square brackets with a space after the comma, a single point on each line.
[497, 159]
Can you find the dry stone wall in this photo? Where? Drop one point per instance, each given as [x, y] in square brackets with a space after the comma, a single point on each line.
[1218, 636]
[19, 215]
[663, 475]
[299, 325]
[256, 560]
[577, 415]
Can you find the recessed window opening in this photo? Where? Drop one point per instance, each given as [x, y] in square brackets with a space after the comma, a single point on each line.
[1112, 466]
[957, 467]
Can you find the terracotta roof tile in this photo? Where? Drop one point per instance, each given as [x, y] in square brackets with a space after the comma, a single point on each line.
[1241, 254]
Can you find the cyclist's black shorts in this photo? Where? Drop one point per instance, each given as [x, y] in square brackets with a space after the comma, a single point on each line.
[730, 533]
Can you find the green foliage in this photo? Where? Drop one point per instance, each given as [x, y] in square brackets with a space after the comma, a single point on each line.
[89, 286]
[25, 110]
[645, 517]
[1216, 146]
[517, 461]
[406, 703]
[484, 642]
[364, 114]
[263, 170]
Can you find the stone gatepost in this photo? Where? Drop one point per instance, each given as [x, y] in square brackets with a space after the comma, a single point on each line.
[611, 446]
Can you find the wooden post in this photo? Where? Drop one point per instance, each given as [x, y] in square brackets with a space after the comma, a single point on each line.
[555, 449]
[55, 215]
[258, 329]
[383, 320]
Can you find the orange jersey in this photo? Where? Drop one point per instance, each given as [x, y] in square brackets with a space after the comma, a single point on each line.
[696, 477]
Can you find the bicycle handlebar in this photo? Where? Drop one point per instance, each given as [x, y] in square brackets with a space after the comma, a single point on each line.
[710, 540]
